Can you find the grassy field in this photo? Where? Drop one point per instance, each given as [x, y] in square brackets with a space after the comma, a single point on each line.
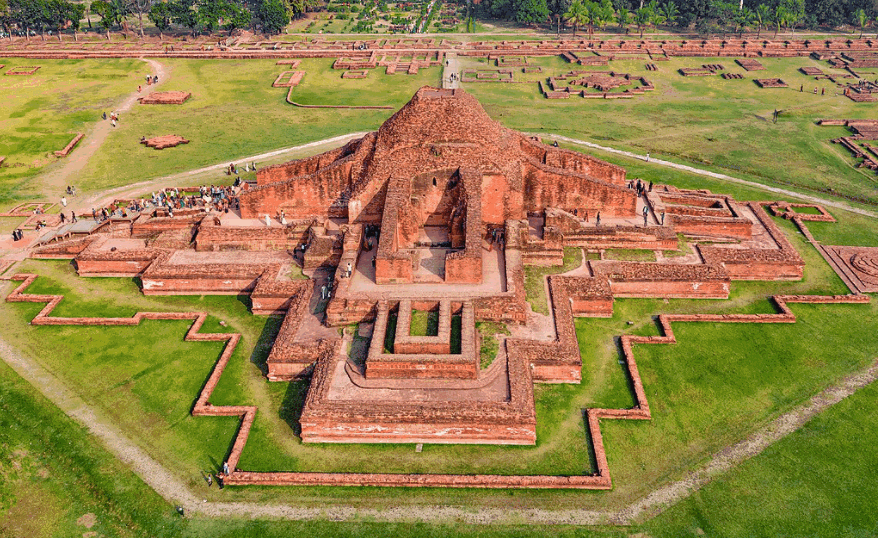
[718, 384]
[140, 387]
[724, 125]
[42, 112]
[234, 113]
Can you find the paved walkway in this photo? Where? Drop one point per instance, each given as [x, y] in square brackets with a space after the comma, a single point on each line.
[452, 67]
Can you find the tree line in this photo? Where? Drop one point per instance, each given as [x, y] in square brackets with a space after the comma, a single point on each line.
[705, 16]
[29, 17]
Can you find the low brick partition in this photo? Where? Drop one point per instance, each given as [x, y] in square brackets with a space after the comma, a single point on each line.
[696, 72]
[292, 63]
[363, 73]
[288, 79]
[417, 357]
[732, 76]
[770, 83]
[164, 141]
[69, 147]
[812, 71]
[22, 70]
[783, 263]
[165, 98]
[28, 209]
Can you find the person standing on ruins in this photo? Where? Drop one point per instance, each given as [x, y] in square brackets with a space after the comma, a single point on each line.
[64, 201]
[267, 220]
[645, 214]
[597, 219]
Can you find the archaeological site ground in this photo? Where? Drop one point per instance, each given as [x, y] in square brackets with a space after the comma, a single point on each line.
[433, 285]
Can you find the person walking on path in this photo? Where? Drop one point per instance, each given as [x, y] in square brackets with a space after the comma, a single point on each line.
[64, 201]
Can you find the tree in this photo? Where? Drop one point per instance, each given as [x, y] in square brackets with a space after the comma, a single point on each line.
[141, 8]
[273, 15]
[670, 12]
[26, 14]
[642, 17]
[795, 13]
[75, 13]
[623, 16]
[160, 15]
[235, 16]
[576, 14]
[557, 8]
[762, 16]
[596, 14]
[108, 13]
[6, 18]
[860, 19]
[744, 19]
[780, 18]
[183, 12]
[530, 11]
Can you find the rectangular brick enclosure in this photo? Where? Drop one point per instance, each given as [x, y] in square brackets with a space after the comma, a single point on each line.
[288, 79]
[165, 98]
[22, 70]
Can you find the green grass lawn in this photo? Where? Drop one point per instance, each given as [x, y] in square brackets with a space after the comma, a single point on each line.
[718, 384]
[234, 112]
[534, 279]
[424, 323]
[146, 379]
[42, 112]
[488, 332]
[708, 121]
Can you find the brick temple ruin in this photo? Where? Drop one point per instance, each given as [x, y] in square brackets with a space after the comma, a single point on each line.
[440, 210]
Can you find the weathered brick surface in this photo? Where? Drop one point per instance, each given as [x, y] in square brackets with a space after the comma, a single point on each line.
[441, 130]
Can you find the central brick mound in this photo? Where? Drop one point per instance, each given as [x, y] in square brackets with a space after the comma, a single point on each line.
[165, 141]
[165, 98]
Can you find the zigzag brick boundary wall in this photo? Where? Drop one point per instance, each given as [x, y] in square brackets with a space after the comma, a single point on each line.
[561, 306]
[69, 147]
[202, 406]
[22, 70]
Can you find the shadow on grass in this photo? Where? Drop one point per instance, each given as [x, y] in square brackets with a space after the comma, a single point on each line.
[629, 383]
[291, 408]
[244, 299]
[589, 445]
[263, 346]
